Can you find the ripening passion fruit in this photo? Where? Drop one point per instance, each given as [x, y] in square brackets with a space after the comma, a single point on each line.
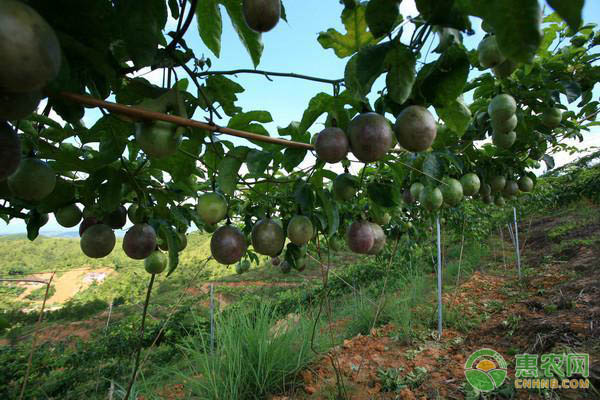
[14, 106]
[360, 237]
[139, 241]
[415, 128]
[31, 54]
[98, 241]
[33, 180]
[10, 151]
[211, 208]
[68, 216]
[261, 15]
[267, 237]
[370, 136]
[117, 218]
[379, 239]
[470, 184]
[87, 223]
[228, 245]
[332, 145]
[300, 230]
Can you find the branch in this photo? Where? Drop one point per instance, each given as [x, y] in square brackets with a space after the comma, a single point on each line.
[181, 32]
[139, 113]
[270, 73]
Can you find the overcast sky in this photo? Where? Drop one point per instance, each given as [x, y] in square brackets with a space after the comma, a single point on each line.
[293, 47]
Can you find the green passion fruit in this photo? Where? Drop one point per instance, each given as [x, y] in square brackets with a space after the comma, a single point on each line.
[552, 117]
[344, 187]
[98, 241]
[499, 201]
[431, 198]
[134, 214]
[415, 128]
[370, 136]
[261, 15]
[382, 218]
[502, 107]
[485, 190]
[505, 69]
[211, 208]
[14, 106]
[181, 242]
[470, 184]
[156, 262]
[158, 139]
[498, 183]
[360, 237]
[228, 245]
[139, 241]
[504, 140]
[525, 184]
[416, 189]
[511, 188]
[268, 237]
[242, 266]
[452, 191]
[488, 53]
[505, 125]
[300, 230]
[31, 54]
[33, 180]
[332, 145]
[68, 216]
[10, 151]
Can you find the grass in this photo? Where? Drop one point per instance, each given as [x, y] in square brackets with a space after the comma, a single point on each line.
[39, 293]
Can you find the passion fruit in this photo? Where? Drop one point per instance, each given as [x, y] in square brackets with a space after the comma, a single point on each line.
[211, 208]
[31, 54]
[552, 117]
[181, 240]
[431, 198]
[14, 106]
[228, 245]
[499, 201]
[382, 218]
[452, 191]
[68, 216]
[360, 237]
[33, 180]
[332, 145]
[505, 69]
[117, 218]
[139, 241]
[300, 230]
[10, 151]
[86, 223]
[416, 189]
[158, 139]
[261, 15]
[502, 107]
[511, 188]
[268, 237]
[504, 140]
[415, 128]
[98, 241]
[275, 261]
[488, 53]
[485, 190]
[498, 183]
[344, 187]
[379, 239]
[525, 184]
[370, 136]
[156, 262]
[504, 125]
[470, 184]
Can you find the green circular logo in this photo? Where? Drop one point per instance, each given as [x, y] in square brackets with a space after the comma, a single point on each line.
[486, 370]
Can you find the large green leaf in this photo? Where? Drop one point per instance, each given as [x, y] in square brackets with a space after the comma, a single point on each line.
[400, 64]
[257, 161]
[356, 37]
[250, 39]
[243, 120]
[569, 10]
[330, 208]
[292, 157]
[456, 115]
[445, 13]
[385, 194]
[445, 79]
[365, 67]
[223, 90]
[166, 231]
[382, 16]
[318, 105]
[229, 168]
[210, 24]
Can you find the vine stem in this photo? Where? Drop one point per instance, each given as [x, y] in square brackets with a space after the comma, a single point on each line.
[271, 73]
[34, 341]
[139, 113]
[139, 349]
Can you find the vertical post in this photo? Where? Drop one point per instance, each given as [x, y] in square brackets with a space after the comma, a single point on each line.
[517, 242]
[502, 244]
[439, 276]
[212, 319]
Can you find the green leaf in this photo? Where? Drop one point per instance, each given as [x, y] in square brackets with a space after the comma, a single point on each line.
[456, 115]
[242, 120]
[382, 16]
[432, 168]
[292, 157]
[330, 208]
[293, 130]
[257, 161]
[446, 78]
[304, 196]
[174, 7]
[400, 63]
[210, 24]
[549, 160]
[229, 168]
[517, 25]
[356, 37]
[365, 67]
[110, 191]
[385, 194]
[569, 10]
[251, 40]
[445, 13]
[571, 89]
[180, 166]
[223, 90]
[34, 222]
[167, 231]
[317, 106]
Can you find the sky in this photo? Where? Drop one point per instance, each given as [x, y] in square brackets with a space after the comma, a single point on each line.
[293, 47]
